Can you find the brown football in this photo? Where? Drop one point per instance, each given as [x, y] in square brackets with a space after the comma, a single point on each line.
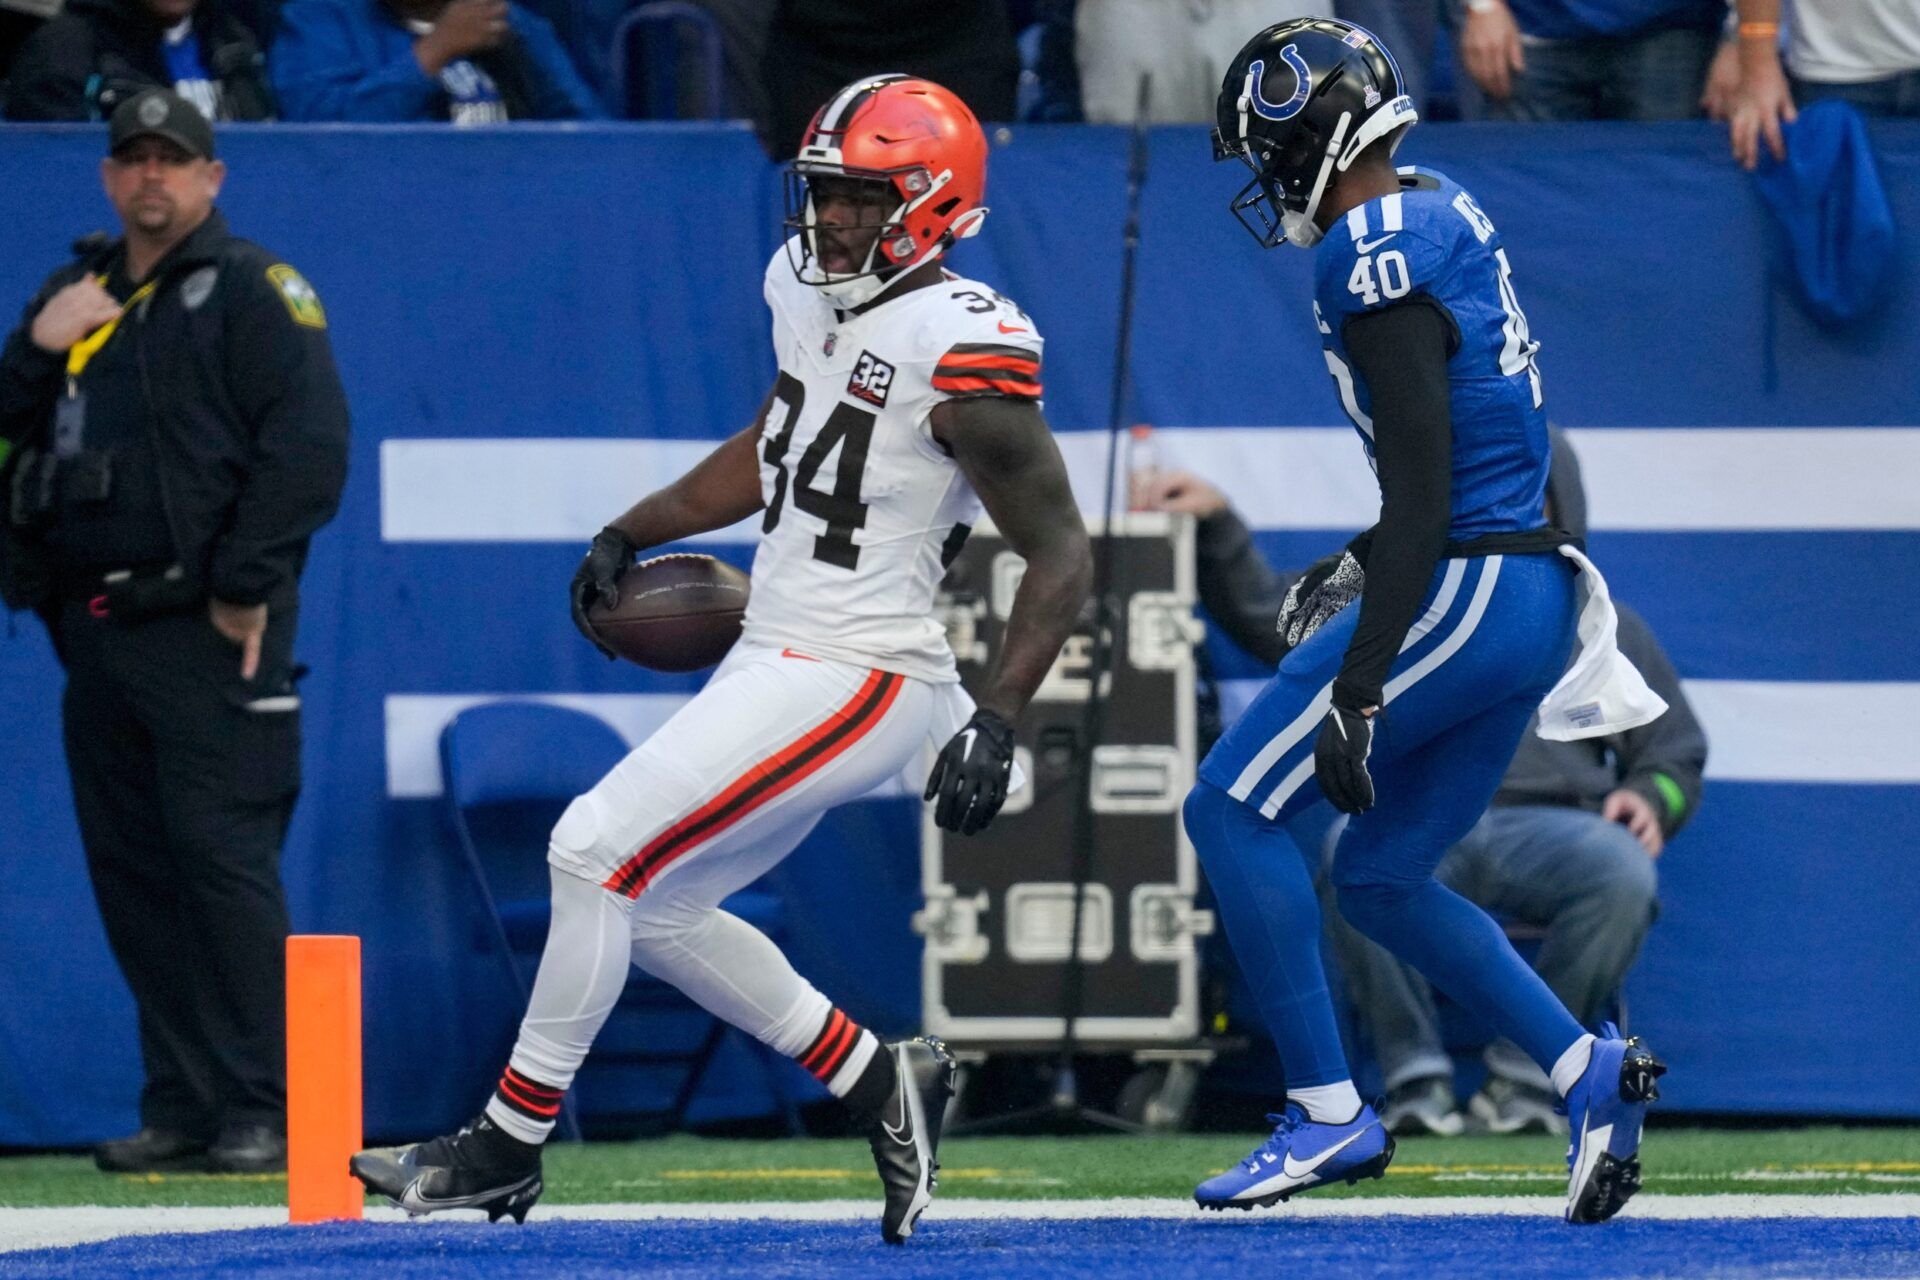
[676, 613]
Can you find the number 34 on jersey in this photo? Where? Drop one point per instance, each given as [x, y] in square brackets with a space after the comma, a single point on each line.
[864, 509]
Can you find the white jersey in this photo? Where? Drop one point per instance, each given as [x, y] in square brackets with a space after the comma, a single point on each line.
[864, 509]
[1850, 41]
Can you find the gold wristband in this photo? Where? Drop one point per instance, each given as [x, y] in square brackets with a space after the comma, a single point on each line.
[1759, 31]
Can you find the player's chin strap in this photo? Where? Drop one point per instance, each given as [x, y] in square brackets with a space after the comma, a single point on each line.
[860, 288]
[1301, 228]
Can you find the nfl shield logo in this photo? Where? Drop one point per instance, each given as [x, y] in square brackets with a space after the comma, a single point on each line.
[826, 348]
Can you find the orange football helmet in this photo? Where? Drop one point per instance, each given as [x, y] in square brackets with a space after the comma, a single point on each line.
[918, 139]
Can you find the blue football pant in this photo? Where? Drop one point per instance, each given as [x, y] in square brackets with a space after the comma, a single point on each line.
[1493, 638]
[1585, 880]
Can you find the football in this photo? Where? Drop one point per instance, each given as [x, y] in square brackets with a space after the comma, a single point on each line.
[676, 613]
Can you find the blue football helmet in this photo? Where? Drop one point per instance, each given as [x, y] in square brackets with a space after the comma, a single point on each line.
[1301, 101]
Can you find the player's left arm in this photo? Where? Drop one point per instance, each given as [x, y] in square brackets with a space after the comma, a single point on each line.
[1003, 446]
[1401, 352]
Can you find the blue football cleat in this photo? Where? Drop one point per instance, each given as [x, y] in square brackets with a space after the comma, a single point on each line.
[1300, 1156]
[1605, 1111]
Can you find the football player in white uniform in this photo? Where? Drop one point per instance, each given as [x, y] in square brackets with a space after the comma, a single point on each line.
[907, 396]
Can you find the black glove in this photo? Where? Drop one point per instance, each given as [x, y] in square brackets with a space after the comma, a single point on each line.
[1340, 760]
[970, 777]
[598, 578]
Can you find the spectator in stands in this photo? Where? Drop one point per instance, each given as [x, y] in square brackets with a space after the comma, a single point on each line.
[1866, 52]
[19, 19]
[1568, 60]
[470, 62]
[1568, 846]
[1185, 45]
[1049, 77]
[744, 27]
[99, 53]
[1408, 27]
[816, 47]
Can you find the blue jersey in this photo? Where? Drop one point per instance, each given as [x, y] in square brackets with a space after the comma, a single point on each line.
[1431, 239]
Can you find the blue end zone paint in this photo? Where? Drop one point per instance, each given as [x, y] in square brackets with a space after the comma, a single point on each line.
[1108, 1249]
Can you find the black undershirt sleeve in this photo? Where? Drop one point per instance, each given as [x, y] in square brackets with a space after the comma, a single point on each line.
[1401, 354]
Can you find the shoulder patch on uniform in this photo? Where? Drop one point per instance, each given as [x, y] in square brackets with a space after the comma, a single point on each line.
[303, 304]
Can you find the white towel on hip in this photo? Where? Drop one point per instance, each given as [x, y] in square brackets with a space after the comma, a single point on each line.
[1602, 692]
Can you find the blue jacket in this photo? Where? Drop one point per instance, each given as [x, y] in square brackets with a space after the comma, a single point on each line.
[1578, 19]
[352, 60]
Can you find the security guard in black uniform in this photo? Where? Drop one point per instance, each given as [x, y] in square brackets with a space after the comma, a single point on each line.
[176, 432]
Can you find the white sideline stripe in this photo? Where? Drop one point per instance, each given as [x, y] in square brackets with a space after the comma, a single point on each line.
[1757, 730]
[1849, 732]
[52, 1228]
[415, 720]
[1668, 478]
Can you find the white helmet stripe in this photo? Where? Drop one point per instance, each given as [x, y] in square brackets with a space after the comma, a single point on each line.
[833, 118]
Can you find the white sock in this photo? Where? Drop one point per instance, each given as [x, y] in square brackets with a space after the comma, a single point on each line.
[1328, 1103]
[1572, 1065]
[735, 972]
[582, 972]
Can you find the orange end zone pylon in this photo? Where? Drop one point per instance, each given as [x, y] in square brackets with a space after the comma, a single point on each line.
[323, 1077]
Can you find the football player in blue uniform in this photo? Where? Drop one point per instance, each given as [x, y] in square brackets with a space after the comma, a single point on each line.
[1404, 710]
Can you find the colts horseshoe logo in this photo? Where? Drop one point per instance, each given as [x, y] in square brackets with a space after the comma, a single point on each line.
[1303, 85]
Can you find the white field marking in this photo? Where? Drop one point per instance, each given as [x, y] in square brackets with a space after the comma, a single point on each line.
[46, 1228]
[1803, 1175]
[1744, 1175]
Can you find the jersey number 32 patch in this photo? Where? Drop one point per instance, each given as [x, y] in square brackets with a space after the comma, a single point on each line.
[872, 379]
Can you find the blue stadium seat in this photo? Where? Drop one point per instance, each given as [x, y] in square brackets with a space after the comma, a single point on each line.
[509, 768]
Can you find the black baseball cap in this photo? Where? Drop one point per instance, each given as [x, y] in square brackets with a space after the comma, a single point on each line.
[161, 113]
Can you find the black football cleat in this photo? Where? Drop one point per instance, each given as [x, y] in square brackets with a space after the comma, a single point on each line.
[905, 1136]
[480, 1167]
[152, 1150]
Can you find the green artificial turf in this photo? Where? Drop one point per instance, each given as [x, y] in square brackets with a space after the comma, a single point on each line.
[683, 1169]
